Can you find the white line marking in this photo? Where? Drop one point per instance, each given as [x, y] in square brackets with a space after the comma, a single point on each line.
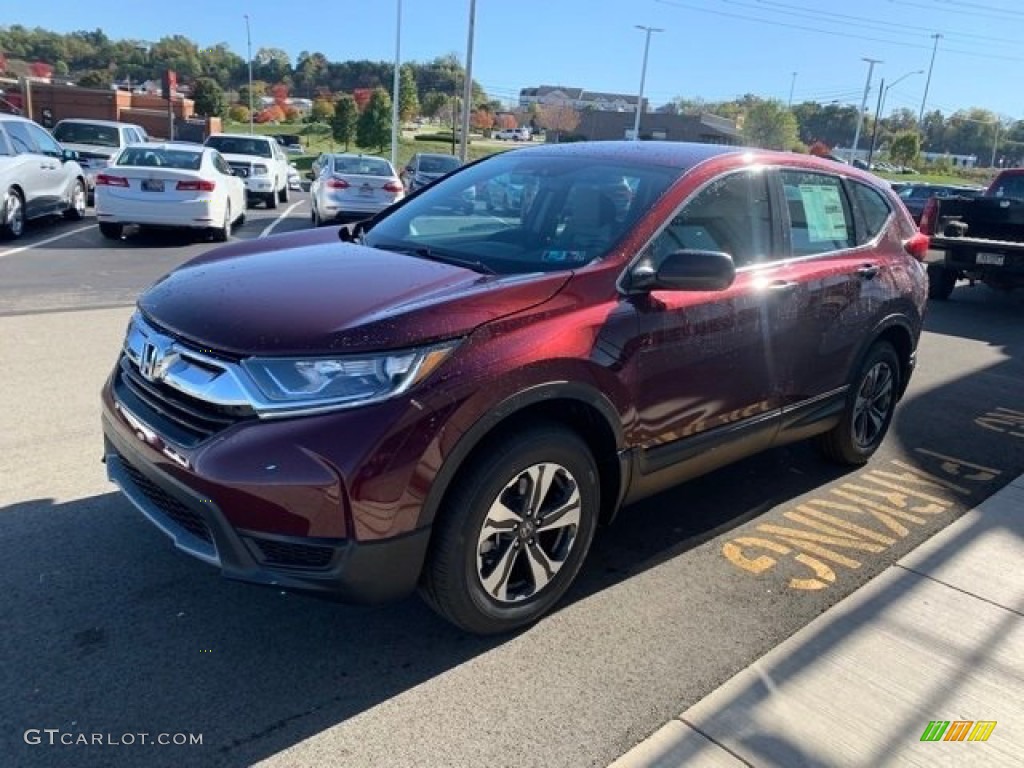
[48, 240]
[270, 227]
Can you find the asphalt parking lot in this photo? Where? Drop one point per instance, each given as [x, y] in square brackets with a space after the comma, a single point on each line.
[109, 630]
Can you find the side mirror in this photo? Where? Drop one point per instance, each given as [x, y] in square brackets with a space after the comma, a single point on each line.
[68, 154]
[686, 271]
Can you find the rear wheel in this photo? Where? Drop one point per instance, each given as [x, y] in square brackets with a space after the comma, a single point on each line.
[870, 405]
[941, 282]
[223, 234]
[111, 231]
[12, 215]
[514, 531]
[76, 208]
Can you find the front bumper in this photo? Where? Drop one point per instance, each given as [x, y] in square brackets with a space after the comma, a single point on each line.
[259, 540]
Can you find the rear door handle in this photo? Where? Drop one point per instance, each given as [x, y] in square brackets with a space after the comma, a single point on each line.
[868, 271]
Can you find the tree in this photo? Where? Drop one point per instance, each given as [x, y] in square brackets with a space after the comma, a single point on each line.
[292, 114]
[40, 69]
[280, 94]
[60, 69]
[374, 126]
[272, 65]
[94, 79]
[558, 118]
[506, 122]
[323, 110]
[482, 120]
[819, 149]
[408, 101]
[770, 125]
[905, 148]
[346, 115]
[433, 103]
[208, 97]
[238, 113]
[259, 90]
[272, 114]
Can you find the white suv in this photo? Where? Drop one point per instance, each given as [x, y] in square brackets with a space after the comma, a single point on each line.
[259, 161]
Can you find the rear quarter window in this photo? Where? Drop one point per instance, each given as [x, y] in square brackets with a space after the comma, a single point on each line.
[874, 211]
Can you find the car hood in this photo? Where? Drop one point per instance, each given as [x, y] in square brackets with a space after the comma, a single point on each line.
[310, 293]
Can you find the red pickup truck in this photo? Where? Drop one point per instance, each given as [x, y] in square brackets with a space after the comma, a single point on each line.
[980, 239]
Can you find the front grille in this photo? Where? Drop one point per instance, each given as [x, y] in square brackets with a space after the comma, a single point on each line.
[184, 420]
[241, 169]
[292, 555]
[167, 504]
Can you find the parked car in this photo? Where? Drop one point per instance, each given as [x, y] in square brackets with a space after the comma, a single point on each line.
[291, 142]
[426, 167]
[38, 177]
[456, 407]
[97, 142]
[513, 134]
[916, 196]
[259, 161]
[352, 186]
[178, 185]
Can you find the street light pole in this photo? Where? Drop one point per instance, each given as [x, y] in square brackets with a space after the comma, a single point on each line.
[863, 104]
[643, 77]
[928, 82]
[792, 85]
[995, 144]
[883, 92]
[395, 112]
[248, 44]
[467, 88]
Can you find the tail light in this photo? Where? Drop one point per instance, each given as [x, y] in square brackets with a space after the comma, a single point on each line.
[931, 208]
[104, 180]
[196, 185]
[392, 186]
[337, 184]
[917, 245]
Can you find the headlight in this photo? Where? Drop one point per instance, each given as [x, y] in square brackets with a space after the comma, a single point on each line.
[299, 383]
[260, 170]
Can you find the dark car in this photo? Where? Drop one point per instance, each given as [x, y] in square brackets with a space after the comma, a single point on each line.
[916, 196]
[426, 167]
[453, 400]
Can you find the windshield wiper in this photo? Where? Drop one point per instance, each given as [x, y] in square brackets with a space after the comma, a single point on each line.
[431, 255]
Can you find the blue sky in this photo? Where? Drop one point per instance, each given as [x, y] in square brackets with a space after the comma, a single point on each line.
[714, 49]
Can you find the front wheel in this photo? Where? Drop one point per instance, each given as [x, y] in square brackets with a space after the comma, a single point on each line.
[870, 405]
[941, 282]
[271, 200]
[514, 531]
[282, 196]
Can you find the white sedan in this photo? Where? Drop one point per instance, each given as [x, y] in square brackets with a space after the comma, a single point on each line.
[169, 185]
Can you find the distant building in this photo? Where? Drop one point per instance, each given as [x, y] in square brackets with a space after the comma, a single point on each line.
[578, 98]
[596, 125]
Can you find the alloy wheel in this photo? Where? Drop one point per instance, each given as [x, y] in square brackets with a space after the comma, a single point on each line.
[873, 404]
[14, 218]
[528, 533]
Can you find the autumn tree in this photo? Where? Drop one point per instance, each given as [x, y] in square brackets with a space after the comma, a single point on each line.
[238, 113]
[208, 97]
[819, 149]
[482, 120]
[506, 122]
[259, 90]
[40, 69]
[346, 116]
[558, 118]
[408, 101]
[272, 114]
[323, 111]
[374, 126]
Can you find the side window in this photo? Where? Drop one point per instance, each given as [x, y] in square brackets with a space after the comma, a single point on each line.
[221, 164]
[21, 139]
[732, 214]
[874, 211]
[4, 148]
[46, 143]
[819, 213]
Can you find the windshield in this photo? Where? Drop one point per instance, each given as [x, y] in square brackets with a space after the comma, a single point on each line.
[232, 145]
[85, 133]
[517, 213]
[150, 157]
[441, 164]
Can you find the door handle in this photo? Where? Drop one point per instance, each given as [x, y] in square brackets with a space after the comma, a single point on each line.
[868, 272]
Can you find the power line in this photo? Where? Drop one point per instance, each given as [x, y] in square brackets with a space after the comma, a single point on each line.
[958, 12]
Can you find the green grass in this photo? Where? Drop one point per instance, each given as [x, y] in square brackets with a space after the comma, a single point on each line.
[934, 178]
[317, 143]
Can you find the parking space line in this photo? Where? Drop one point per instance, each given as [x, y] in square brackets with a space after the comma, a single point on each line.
[270, 227]
[47, 241]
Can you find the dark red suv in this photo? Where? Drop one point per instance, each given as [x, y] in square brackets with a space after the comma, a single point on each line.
[450, 399]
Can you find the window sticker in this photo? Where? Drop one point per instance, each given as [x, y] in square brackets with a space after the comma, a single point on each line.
[824, 210]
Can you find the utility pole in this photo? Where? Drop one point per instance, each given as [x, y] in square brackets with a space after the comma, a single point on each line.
[248, 44]
[792, 85]
[878, 118]
[863, 104]
[467, 89]
[928, 82]
[643, 77]
[995, 144]
[395, 112]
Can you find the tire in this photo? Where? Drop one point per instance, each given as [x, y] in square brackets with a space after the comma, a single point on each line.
[12, 215]
[271, 200]
[111, 231]
[870, 405]
[485, 581]
[282, 195]
[77, 200]
[223, 234]
[941, 282]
